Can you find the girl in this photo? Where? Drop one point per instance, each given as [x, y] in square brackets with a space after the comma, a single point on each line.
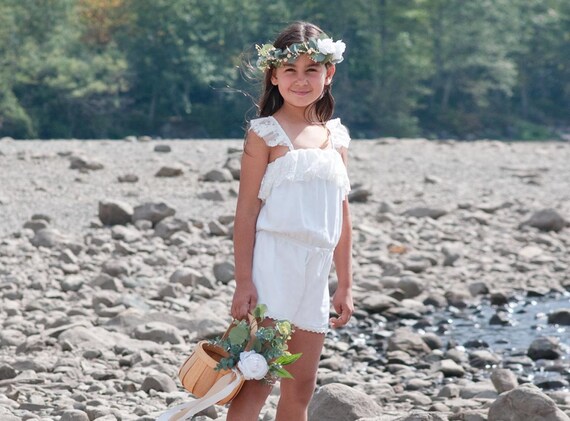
[292, 218]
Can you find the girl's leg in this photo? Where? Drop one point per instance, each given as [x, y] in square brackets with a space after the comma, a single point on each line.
[248, 403]
[297, 393]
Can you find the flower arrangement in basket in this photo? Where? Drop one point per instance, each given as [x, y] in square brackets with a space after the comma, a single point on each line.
[216, 370]
[258, 352]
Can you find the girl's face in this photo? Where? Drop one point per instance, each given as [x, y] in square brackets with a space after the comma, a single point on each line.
[302, 83]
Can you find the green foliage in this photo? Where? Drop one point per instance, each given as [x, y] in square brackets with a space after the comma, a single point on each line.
[268, 341]
[438, 68]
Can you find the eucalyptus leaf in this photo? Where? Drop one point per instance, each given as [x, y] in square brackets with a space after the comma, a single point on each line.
[239, 334]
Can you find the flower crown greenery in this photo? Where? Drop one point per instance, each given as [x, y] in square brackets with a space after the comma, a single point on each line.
[323, 50]
[268, 352]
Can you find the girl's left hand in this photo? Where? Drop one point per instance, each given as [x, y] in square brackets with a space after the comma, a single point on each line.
[342, 303]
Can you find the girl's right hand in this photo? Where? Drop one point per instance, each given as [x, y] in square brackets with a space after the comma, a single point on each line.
[244, 301]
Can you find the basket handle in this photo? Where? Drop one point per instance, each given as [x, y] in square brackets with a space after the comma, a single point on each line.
[252, 330]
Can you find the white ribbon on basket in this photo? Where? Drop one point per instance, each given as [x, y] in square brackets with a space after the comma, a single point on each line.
[220, 390]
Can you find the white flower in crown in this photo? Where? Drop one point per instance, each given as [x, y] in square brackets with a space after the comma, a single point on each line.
[339, 48]
[326, 46]
[252, 365]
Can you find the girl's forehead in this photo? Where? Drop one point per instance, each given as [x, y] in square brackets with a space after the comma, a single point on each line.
[303, 60]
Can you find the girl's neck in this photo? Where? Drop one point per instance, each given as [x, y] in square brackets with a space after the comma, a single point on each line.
[297, 114]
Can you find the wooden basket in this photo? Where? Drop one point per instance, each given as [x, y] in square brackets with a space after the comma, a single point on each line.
[197, 374]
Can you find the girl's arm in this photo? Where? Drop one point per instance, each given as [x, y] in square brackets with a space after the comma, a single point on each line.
[342, 299]
[253, 164]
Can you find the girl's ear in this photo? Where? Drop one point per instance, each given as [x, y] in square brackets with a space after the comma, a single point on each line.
[273, 77]
[330, 73]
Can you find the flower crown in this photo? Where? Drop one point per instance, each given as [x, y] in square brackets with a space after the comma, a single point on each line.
[320, 50]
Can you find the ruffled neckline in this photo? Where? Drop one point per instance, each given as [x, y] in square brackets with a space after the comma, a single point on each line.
[305, 164]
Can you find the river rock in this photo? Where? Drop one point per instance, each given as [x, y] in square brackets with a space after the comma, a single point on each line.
[221, 175]
[74, 415]
[525, 403]
[84, 164]
[159, 382]
[560, 317]
[425, 212]
[115, 212]
[153, 212]
[169, 171]
[504, 380]
[545, 347]
[404, 339]
[336, 401]
[546, 220]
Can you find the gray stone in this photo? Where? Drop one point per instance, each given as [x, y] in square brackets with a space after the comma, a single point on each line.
[234, 166]
[216, 228]
[404, 339]
[546, 220]
[560, 317]
[335, 401]
[128, 178]
[222, 175]
[411, 286]
[170, 226]
[159, 382]
[7, 371]
[116, 268]
[36, 225]
[214, 195]
[84, 164]
[545, 347]
[115, 212]
[159, 332]
[162, 148]
[504, 380]
[49, 238]
[525, 403]
[425, 212]
[153, 212]
[224, 271]
[359, 195]
[186, 276]
[169, 171]
[482, 358]
[449, 368]
[74, 415]
[378, 303]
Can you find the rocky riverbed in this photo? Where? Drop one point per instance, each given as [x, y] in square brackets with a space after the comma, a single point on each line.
[116, 257]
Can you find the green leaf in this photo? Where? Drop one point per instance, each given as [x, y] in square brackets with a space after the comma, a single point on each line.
[288, 359]
[284, 374]
[259, 311]
[239, 334]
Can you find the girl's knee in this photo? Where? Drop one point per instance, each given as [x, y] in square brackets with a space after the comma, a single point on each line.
[300, 389]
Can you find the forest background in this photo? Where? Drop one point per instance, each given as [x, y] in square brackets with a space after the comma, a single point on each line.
[463, 69]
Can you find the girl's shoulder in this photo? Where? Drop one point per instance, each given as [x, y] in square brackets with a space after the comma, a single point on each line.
[339, 133]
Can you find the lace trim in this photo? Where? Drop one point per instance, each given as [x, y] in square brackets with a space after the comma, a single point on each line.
[297, 326]
[304, 165]
[339, 133]
[268, 130]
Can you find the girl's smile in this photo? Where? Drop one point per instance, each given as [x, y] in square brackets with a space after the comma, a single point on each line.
[302, 83]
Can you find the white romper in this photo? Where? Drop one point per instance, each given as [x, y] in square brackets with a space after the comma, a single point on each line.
[299, 225]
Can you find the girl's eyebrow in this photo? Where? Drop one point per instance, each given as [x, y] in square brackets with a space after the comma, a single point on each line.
[294, 65]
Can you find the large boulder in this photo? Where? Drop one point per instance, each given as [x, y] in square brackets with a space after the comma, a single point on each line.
[525, 403]
[336, 401]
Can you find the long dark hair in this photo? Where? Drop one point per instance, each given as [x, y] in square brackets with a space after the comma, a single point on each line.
[271, 100]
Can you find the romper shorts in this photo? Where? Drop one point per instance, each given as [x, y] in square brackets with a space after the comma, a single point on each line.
[292, 279]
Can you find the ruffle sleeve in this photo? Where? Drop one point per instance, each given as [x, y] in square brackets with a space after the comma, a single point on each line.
[268, 130]
[339, 133]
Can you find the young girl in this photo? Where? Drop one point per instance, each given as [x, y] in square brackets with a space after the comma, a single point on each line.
[292, 218]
